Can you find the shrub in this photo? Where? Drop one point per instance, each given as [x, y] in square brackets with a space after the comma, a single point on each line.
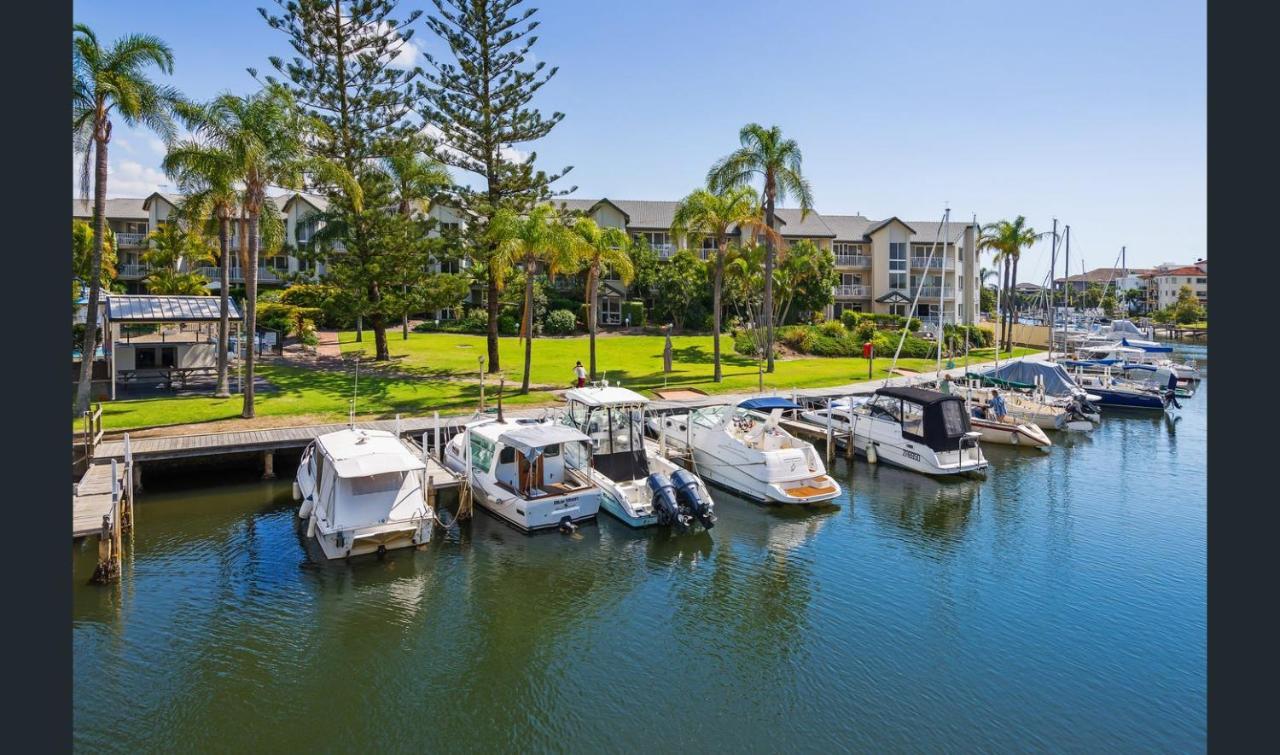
[634, 309]
[508, 325]
[833, 329]
[321, 296]
[866, 331]
[850, 319]
[561, 322]
[286, 318]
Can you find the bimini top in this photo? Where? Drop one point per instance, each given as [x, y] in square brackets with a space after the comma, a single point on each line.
[767, 403]
[1125, 326]
[364, 453]
[608, 395]
[922, 396]
[531, 439]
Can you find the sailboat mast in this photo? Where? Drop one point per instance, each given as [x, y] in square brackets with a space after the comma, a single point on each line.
[942, 290]
[1053, 269]
[1066, 288]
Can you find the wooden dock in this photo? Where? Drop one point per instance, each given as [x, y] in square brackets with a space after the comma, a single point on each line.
[92, 498]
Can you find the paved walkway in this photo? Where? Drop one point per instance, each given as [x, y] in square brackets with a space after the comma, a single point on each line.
[327, 345]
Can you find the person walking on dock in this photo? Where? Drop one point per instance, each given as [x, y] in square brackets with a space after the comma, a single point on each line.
[580, 373]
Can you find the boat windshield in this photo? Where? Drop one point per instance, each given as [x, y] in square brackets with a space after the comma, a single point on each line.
[711, 416]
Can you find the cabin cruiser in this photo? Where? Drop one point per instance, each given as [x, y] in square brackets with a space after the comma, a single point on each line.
[639, 484]
[914, 428]
[743, 449]
[1150, 375]
[362, 491]
[1118, 392]
[532, 473]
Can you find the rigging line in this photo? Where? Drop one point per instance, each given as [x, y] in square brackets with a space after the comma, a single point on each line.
[911, 312]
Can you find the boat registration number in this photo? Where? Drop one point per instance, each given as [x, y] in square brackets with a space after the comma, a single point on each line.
[911, 455]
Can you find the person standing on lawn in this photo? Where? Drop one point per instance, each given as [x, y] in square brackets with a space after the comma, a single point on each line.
[580, 373]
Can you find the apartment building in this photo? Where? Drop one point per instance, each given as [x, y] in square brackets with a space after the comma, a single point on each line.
[1165, 283]
[882, 264]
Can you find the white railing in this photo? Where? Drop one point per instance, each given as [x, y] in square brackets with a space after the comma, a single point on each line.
[853, 260]
[859, 292]
[664, 251]
[937, 263]
[933, 292]
[236, 275]
[133, 271]
[131, 239]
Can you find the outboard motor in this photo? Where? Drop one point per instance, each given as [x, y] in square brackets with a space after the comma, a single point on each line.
[687, 493]
[664, 500]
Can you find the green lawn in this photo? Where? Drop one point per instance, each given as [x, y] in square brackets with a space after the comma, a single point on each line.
[442, 372]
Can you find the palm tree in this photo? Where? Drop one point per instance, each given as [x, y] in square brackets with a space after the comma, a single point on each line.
[1008, 240]
[171, 245]
[82, 245]
[538, 237]
[415, 180]
[206, 175]
[985, 274]
[262, 135]
[106, 81]
[604, 249]
[777, 160]
[707, 214]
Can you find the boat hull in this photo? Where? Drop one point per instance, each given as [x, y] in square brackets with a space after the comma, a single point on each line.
[737, 481]
[1024, 435]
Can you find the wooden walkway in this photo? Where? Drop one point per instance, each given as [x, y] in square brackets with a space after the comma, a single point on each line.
[92, 499]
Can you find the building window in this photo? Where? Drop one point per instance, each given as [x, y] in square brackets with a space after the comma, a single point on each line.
[898, 309]
[847, 248]
[656, 239]
[897, 265]
[850, 279]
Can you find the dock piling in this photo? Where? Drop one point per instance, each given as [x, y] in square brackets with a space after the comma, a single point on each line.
[268, 465]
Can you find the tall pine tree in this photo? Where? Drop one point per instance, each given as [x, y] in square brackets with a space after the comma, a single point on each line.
[348, 75]
[481, 105]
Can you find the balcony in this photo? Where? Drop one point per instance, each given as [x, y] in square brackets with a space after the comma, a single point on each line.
[236, 275]
[937, 263]
[664, 251]
[853, 260]
[933, 292]
[131, 239]
[132, 271]
[853, 292]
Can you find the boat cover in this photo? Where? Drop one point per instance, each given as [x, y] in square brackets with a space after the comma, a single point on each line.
[1127, 327]
[768, 403]
[1146, 345]
[364, 453]
[531, 439]
[1057, 382]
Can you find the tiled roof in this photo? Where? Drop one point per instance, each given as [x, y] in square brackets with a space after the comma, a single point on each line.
[1188, 270]
[1102, 275]
[167, 308]
[812, 226]
[124, 208]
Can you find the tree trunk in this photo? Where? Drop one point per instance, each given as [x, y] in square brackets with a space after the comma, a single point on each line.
[492, 306]
[380, 351]
[224, 302]
[1013, 302]
[94, 283]
[404, 291]
[528, 322]
[768, 278]
[593, 284]
[359, 328]
[250, 316]
[716, 287]
[1004, 309]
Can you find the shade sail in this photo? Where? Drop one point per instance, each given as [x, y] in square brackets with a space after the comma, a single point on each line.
[767, 403]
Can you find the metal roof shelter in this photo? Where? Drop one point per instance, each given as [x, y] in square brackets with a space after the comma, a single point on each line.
[158, 309]
[149, 309]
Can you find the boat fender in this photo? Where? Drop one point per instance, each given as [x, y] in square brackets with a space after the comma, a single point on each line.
[297, 491]
[304, 511]
[664, 500]
[687, 491]
[311, 527]
[872, 457]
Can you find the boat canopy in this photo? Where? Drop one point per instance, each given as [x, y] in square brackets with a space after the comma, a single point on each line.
[1125, 326]
[767, 403]
[1056, 380]
[608, 395]
[530, 440]
[364, 453]
[944, 423]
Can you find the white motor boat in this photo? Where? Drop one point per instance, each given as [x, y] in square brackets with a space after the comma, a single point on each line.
[914, 428]
[1010, 432]
[742, 449]
[1041, 411]
[532, 474]
[640, 485]
[363, 491]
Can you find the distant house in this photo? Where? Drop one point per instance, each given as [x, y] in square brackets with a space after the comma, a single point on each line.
[1122, 278]
[1164, 285]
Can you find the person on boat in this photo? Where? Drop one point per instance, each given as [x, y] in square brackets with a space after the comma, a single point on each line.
[997, 405]
[944, 384]
[580, 373]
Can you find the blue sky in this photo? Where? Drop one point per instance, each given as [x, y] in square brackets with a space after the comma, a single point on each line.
[1093, 112]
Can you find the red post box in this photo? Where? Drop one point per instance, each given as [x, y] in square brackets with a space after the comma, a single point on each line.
[867, 348]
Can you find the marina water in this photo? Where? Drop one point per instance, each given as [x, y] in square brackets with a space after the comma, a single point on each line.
[1058, 604]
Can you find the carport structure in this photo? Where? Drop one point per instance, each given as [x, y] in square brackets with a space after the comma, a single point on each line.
[162, 355]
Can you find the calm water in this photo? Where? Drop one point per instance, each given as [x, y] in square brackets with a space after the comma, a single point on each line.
[1060, 604]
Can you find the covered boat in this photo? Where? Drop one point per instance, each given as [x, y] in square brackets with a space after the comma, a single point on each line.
[362, 491]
